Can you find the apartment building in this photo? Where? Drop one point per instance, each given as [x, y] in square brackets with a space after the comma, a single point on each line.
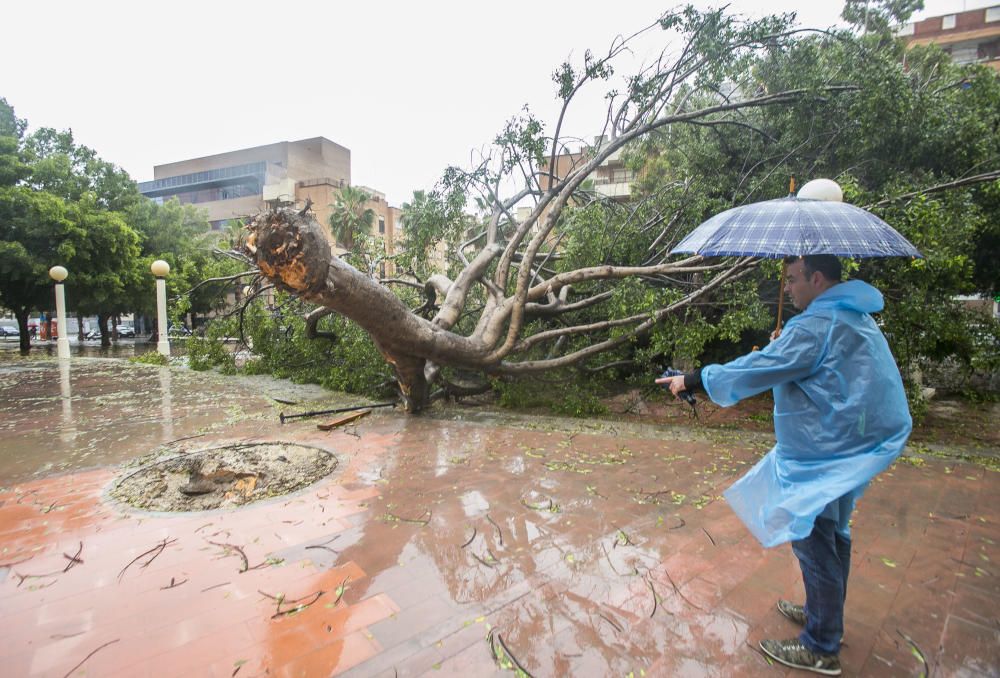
[240, 183]
[969, 37]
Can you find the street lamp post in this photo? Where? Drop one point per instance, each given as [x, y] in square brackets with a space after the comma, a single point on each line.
[160, 269]
[58, 273]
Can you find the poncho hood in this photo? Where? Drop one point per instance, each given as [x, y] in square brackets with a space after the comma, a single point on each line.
[853, 295]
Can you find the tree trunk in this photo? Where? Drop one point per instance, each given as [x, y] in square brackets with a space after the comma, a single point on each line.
[292, 251]
[24, 341]
[102, 325]
[80, 334]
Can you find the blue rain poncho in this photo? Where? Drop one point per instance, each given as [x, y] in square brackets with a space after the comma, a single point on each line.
[840, 413]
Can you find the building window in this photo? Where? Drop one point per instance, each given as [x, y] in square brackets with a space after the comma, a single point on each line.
[381, 225]
[992, 14]
[989, 50]
[947, 22]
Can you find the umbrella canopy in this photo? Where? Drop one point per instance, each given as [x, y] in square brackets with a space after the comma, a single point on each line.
[796, 226]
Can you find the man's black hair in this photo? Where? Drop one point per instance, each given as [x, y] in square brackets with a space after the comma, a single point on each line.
[827, 264]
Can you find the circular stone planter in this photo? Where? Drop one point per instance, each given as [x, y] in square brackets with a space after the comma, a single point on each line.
[223, 477]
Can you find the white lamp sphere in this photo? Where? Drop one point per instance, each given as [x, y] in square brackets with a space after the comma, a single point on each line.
[821, 189]
[160, 268]
[58, 273]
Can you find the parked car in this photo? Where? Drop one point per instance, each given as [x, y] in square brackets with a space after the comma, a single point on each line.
[126, 331]
[6, 331]
[178, 331]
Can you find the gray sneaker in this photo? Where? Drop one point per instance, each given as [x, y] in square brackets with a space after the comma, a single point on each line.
[793, 653]
[792, 611]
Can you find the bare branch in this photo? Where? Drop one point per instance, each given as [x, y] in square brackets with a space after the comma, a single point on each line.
[958, 183]
[313, 318]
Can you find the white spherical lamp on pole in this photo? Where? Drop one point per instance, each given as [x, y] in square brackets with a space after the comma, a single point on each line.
[59, 273]
[160, 269]
[821, 189]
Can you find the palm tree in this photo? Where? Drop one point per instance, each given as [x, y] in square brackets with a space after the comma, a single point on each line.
[350, 216]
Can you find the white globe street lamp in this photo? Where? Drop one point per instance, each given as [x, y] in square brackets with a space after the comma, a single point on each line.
[59, 273]
[160, 269]
[821, 189]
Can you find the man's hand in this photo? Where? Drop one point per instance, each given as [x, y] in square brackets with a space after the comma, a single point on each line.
[675, 384]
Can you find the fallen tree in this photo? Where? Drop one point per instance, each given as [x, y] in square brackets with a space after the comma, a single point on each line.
[520, 311]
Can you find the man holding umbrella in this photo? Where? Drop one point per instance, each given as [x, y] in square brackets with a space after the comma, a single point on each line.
[840, 418]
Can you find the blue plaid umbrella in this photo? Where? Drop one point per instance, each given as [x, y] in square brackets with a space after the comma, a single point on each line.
[795, 226]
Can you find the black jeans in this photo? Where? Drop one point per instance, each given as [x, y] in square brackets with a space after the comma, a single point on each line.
[825, 559]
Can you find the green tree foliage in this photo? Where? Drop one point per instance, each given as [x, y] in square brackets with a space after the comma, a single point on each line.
[879, 16]
[344, 359]
[62, 204]
[61, 166]
[350, 218]
[917, 124]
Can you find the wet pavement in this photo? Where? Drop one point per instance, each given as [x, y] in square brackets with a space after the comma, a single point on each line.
[462, 544]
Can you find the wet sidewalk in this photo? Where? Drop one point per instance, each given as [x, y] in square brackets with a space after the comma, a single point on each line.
[454, 547]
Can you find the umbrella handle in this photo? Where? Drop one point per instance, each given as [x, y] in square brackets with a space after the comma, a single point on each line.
[781, 296]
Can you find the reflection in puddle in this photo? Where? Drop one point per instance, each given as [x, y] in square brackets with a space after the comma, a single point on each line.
[62, 415]
[67, 432]
[166, 404]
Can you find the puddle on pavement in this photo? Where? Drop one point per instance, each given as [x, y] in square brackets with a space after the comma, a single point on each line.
[58, 416]
[224, 477]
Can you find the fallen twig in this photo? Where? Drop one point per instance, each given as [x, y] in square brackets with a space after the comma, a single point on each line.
[499, 531]
[489, 565]
[609, 620]
[74, 559]
[298, 608]
[678, 591]
[231, 548]
[215, 586]
[155, 551]
[340, 590]
[177, 440]
[325, 548]
[110, 642]
[474, 532]
[917, 652]
[655, 600]
[172, 585]
[607, 555]
[708, 535]
[512, 657]
[333, 538]
[551, 508]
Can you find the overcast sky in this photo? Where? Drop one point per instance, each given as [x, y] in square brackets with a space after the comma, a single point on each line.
[410, 87]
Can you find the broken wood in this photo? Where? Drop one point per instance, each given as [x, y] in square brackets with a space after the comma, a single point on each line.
[345, 419]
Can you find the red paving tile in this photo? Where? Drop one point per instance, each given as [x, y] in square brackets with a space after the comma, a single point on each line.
[557, 542]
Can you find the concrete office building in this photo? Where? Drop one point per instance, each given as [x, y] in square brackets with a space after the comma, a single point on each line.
[240, 183]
